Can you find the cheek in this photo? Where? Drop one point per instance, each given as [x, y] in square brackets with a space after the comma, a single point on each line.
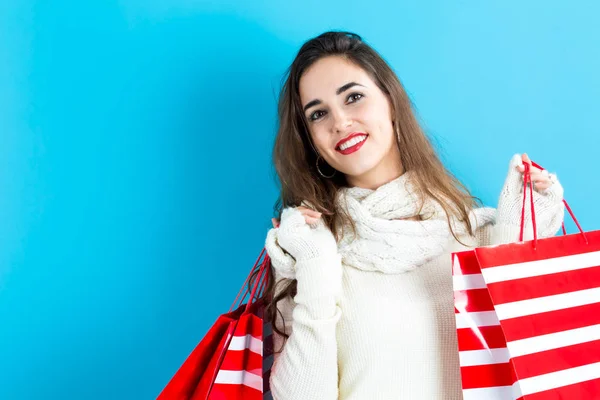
[375, 114]
[320, 140]
[382, 115]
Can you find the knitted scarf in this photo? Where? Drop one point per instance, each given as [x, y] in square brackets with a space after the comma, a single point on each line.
[386, 240]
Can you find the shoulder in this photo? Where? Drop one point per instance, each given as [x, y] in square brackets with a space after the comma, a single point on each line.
[483, 220]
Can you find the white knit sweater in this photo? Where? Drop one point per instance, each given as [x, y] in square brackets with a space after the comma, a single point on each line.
[386, 329]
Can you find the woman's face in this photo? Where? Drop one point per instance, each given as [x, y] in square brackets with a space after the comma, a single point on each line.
[350, 122]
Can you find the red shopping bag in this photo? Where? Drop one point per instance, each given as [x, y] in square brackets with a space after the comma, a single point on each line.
[485, 366]
[234, 359]
[528, 317]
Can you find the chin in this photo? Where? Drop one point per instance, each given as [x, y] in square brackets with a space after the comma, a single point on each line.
[357, 172]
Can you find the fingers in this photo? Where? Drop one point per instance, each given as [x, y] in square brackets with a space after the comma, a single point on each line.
[539, 177]
[542, 180]
[310, 216]
[525, 160]
[311, 220]
[309, 212]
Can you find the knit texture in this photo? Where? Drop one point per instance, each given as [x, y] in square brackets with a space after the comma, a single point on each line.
[387, 239]
[368, 324]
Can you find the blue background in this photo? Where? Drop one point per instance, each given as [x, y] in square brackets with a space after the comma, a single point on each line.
[135, 140]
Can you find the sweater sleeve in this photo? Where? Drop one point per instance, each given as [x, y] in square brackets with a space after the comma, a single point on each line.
[305, 365]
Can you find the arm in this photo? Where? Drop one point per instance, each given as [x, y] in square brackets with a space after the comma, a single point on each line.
[306, 367]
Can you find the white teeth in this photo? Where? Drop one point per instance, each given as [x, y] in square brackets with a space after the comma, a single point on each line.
[352, 142]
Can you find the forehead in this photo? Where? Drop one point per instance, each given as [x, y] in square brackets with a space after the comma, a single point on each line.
[325, 76]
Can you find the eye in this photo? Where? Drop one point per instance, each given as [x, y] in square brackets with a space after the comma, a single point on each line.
[316, 115]
[355, 97]
[352, 98]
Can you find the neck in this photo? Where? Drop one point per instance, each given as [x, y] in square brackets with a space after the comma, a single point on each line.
[386, 171]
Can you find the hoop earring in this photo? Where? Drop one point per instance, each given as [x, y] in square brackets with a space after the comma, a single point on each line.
[321, 173]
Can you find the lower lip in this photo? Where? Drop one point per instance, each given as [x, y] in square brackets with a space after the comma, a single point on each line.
[353, 149]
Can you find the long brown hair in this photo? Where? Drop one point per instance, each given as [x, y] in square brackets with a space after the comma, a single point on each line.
[295, 158]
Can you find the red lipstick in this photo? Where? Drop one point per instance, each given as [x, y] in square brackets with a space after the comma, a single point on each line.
[353, 148]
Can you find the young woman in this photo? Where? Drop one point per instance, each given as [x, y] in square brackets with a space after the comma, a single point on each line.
[368, 216]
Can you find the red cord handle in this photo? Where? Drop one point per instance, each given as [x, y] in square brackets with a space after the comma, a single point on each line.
[259, 284]
[528, 182]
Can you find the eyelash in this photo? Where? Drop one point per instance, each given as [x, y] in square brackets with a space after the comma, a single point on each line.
[313, 118]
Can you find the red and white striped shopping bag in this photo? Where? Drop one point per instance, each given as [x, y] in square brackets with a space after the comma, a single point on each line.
[528, 316]
[528, 319]
[484, 361]
[246, 367]
[234, 359]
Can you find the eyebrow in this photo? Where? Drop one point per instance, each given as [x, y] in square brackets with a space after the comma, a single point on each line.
[340, 90]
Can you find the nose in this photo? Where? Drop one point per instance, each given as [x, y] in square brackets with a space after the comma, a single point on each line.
[341, 121]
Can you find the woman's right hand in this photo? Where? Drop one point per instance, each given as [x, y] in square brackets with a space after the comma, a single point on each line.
[303, 248]
[303, 234]
[310, 216]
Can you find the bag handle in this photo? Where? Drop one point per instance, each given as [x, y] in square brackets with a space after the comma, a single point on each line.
[528, 182]
[259, 284]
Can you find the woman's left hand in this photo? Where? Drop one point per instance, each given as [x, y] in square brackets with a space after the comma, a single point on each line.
[541, 179]
[547, 198]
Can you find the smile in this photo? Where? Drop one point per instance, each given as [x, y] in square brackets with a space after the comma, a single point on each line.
[351, 144]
